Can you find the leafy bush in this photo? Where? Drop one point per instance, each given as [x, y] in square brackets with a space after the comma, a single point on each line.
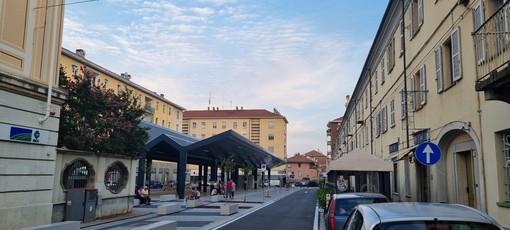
[321, 195]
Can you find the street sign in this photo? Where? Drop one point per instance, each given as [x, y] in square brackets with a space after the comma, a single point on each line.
[427, 153]
[263, 167]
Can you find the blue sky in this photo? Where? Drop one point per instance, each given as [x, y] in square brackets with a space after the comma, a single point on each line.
[301, 57]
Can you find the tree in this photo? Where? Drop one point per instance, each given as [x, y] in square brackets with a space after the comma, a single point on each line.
[96, 119]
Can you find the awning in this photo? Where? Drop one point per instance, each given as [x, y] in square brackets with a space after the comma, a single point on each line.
[359, 160]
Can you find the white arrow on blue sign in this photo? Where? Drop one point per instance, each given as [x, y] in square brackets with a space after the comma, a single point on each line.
[427, 153]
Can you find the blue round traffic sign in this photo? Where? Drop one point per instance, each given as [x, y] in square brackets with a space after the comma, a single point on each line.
[427, 153]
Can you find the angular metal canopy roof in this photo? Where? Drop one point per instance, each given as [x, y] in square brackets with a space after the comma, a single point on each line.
[165, 144]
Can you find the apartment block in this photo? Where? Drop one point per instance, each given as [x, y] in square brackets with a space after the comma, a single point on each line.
[438, 72]
[158, 109]
[264, 128]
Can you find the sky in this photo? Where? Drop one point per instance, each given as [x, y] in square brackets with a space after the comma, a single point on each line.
[301, 57]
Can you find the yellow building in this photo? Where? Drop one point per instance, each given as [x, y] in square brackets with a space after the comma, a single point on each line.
[264, 128]
[158, 109]
[30, 41]
[438, 72]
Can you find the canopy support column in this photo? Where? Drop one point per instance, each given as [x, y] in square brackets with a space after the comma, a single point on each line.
[181, 173]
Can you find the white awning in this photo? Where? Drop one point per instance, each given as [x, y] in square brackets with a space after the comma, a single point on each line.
[359, 160]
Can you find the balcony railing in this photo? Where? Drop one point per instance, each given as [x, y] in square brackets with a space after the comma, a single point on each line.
[149, 109]
[492, 43]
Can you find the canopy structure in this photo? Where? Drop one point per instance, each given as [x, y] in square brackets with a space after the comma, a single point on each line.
[358, 160]
[169, 145]
[359, 171]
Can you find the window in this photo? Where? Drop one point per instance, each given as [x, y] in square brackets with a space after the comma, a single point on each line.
[194, 125]
[480, 42]
[402, 40]
[234, 125]
[118, 88]
[156, 121]
[289, 165]
[378, 127]
[506, 163]
[177, 127]
[203, 124]
[376, 85]
[270, 137]
[270, 125]
[390, 54]
[223, 125]
[448, 62]
[403, 103]
[383, 74]
[163, 123]
[202, 136]
[105, 85]
[415, 17]
[418, 89]
[392, 112]
[164, 108]
[384, 118]
[245, 125]
[157, 106]
[169, 125]
[169, 110]
[178, 114]
[74, 70]
[194, 135]
[439, 69]
[116, 177]
[78, 174]
[214, 126]
[300, 174]
[270, 149]
[299, 166]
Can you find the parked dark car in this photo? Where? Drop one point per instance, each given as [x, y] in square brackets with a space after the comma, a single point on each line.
[341, 205]
[155, 184]
[420, 216]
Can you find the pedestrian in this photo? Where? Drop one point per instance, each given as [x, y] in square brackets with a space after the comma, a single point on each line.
[217, 186]
[284, 180]
[228, 189]
[195, 194]
[233, 190]
[146, 195]
[139, 196]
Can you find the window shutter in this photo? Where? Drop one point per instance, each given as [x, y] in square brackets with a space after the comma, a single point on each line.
[423, 86]
[439, 69]
[456, 59]
[412, 100]
[410, 10]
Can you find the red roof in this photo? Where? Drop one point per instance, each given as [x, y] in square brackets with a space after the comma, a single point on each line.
[238, 113]
[300, 159]
[314, 153]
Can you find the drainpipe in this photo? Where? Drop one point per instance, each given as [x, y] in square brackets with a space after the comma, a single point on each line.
[482, 159]
[48, 100]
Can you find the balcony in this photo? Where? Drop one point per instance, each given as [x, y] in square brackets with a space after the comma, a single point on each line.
[492, 53]
[149, 109]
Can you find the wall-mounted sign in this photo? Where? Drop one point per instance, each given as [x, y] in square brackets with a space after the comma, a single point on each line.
[22, 134]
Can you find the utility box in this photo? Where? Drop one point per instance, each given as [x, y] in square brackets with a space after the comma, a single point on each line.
[81, 204]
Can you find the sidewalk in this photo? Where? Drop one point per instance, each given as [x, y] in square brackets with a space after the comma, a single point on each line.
[202, 217]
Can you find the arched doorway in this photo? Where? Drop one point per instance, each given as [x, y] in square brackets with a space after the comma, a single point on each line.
[457, 174]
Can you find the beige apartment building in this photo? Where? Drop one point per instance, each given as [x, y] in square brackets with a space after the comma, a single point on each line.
[438, 72]
[30, 41]
[158, 109]
[332, 137]
[264, 128]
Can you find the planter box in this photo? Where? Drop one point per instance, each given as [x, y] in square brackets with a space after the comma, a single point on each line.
[217, 198]
[170, 197]
[229, 209]
[168, 208]
[194, 203]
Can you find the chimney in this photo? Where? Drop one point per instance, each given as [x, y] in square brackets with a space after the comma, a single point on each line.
[80, 52]
[241, 108]
[126, 76]
[237, 107]
[162, 95]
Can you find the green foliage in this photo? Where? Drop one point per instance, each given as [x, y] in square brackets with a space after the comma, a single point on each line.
[321, 195]
[96, 119]
[227, 164]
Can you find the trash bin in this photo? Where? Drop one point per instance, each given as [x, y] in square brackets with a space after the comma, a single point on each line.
[81, 204]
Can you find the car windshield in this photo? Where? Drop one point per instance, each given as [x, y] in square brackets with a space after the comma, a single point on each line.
[344, 207]
[436, 225]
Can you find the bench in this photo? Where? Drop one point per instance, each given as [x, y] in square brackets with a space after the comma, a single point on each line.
[169, 197]
[160, 225]
[194, 203]
[72, 225]
[229, 209]
[165, 209]
[217, 198]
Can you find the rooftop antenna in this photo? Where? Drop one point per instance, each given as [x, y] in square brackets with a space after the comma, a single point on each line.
[209, 98]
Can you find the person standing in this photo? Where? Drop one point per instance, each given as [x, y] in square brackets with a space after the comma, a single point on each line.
[228, 189]
[284, 181]
[233, 190]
